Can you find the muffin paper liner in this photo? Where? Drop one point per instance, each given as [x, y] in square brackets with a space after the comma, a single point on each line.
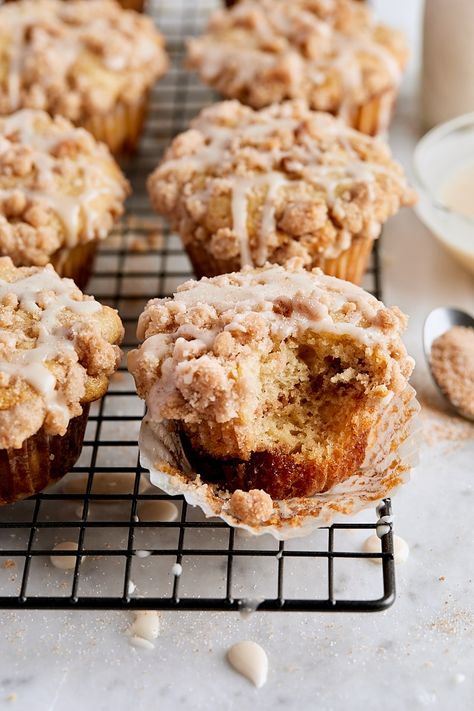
[373, 118]
[76, 263]
[40, 461]
[390, 456]
[350, 265]
[121, 127]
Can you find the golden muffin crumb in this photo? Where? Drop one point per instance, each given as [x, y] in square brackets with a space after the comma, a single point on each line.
[57, 351]
[58, 187]
[243, 186]
[331, 53]
[77, 59]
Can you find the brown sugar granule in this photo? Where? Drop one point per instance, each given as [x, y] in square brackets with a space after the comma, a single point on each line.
[452, 363]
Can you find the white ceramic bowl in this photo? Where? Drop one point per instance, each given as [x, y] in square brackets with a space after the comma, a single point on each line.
[442, 152]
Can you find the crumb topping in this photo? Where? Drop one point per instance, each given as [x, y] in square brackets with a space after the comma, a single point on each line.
[272, 184]
[76, 58]
[57, 349]
[331, 53]
[452, 362]
[58, 187]
[203, 349]
[253, 507]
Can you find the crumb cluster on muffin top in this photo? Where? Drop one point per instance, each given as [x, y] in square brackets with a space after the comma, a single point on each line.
[76, 58]
[249, 186]
[57, 350]
[58, 187]
[284, 369]
[332, 53]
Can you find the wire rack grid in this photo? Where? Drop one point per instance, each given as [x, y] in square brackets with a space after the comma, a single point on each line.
[122, 559]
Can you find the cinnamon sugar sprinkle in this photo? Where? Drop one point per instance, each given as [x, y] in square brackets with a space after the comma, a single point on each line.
[439, 425]
[452, 362]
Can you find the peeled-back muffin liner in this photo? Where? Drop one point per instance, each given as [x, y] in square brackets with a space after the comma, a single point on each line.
[120, 129]
[389, 458]
[41, 460]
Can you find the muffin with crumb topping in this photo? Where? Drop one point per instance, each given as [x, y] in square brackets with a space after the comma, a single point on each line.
[60, 193]
[58, 349]
[243, 187]
[88, 60]
[280, 384]
[331, 53]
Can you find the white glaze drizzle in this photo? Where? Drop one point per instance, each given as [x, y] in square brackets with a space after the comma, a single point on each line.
[30, 364]
[71, 210]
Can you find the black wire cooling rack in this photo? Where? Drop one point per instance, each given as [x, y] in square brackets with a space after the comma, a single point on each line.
[122, 560]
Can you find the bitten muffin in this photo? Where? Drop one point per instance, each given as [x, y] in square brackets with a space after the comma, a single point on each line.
[88, 60]
[57, 351]
[331, 53]
[60, 193]
[281, 382]
[243, 187]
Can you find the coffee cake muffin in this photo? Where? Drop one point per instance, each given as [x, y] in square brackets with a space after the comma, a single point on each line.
[243, 187]
[60, 193]
[88, 60]
[331, 53]
[57, 351]
[280, 383]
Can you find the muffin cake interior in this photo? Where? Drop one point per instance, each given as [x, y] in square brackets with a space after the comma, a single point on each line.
[280, 393]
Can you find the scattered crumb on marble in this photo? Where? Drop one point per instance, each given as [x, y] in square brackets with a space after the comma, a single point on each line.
[439, 425]
[454, 622]
[442, 578]
[11, 697]
[9, 563]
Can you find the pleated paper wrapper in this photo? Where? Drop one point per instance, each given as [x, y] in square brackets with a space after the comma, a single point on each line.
[390, 456]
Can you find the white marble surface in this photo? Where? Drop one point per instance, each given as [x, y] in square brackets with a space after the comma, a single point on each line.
[417, 654]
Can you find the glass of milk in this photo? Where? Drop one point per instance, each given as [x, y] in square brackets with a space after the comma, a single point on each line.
[444, 168]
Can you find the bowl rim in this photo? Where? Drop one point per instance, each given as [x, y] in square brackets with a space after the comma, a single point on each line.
[429, 138]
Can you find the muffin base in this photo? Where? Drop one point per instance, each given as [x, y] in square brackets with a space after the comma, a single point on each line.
[121, 128]
[281, 475]
[42, 460]
[349, 265]
[76, 262]
[136, 5]
[373, 118]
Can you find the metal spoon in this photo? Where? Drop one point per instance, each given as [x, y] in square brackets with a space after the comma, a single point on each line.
[438, 322]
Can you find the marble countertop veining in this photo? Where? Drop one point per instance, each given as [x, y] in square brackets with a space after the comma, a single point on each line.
[417, 654]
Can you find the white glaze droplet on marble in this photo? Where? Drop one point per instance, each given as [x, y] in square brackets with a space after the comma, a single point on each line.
[401, 550]
[249, 659]
[145, 627]
[142, 554]
[177, 569]
[64, 562]
[141, 643]
[102, 483]
[459, 678]
[163, 511]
